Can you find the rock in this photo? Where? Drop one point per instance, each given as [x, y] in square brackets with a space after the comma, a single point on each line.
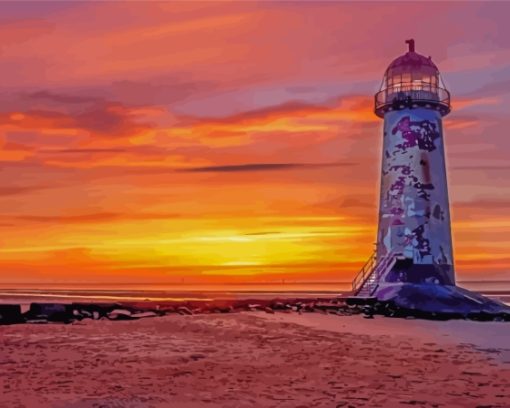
[223, 309]
[141, 315]
[36, 321]
[368, 312]
[81, 314]
[167, 309]
[327, 306]
[268, 310]
[96, 310]
[10, 314]
[277, 306]
[121, 312]
[360, 301]
[53, 312]
[309, 307]
[77, 315]
[120, 316]
[183, 310]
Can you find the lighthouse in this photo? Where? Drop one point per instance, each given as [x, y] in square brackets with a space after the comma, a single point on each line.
[414, 243]
[411, 272]
[414, 214]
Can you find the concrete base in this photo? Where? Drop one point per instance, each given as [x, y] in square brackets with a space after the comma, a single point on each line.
[437, 301]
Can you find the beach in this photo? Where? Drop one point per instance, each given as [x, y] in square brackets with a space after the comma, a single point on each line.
[256, 359]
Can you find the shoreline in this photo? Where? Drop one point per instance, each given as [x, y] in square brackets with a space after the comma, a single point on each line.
[26, 296]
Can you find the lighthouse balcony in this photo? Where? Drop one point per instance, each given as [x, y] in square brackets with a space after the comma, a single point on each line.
[412, 95]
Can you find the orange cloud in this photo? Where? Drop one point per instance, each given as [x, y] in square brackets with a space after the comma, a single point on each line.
[279, 120]
[112, 120]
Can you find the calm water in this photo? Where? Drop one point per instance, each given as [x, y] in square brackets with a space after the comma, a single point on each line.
[179, 292]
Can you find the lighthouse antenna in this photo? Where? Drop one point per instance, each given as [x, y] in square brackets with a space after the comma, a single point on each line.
[411, 45]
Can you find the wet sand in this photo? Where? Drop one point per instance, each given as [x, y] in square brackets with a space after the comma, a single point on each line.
[255, 360]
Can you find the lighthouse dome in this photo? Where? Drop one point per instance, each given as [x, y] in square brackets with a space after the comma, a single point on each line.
[412, 79]
[411, 68]
[412, 62]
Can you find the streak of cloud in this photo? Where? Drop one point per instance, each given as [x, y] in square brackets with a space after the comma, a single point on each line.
[262, 167]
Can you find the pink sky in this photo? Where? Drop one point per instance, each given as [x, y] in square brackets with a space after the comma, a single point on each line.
[233, 141]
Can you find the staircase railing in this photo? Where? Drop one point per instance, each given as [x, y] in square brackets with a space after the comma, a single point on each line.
[368, 276]
[371, 283]
[364, 272]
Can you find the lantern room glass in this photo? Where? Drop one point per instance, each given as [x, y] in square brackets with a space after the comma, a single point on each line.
[425, 80]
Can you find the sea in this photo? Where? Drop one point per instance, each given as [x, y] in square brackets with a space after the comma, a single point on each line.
[115, 292]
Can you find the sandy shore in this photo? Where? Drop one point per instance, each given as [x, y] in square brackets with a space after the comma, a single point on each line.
[256, 360]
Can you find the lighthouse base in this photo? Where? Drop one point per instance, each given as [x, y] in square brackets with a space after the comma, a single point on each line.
[406, 271]
[432, 301]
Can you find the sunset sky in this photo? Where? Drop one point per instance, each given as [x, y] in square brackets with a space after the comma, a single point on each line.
[233, 141]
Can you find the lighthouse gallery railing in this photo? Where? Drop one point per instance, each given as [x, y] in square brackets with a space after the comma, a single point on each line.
[415, 91]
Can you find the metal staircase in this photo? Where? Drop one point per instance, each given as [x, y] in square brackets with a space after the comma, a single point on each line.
[367, 280]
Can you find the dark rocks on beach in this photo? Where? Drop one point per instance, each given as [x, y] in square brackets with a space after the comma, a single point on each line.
[94, 311]
[11, 314]
[277, 306]
[120, 314]
[52, 312]
[309, 307]
[361, 301]
[82, 314]
[183, 310]
[122, 310]
[142, 315]
[67, 313]
[326, 305]
[167, 309]
[36, 321]
[368, 312]
[222, 309]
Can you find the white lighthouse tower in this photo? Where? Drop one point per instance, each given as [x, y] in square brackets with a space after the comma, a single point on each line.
[414, 242]
[411, 272]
